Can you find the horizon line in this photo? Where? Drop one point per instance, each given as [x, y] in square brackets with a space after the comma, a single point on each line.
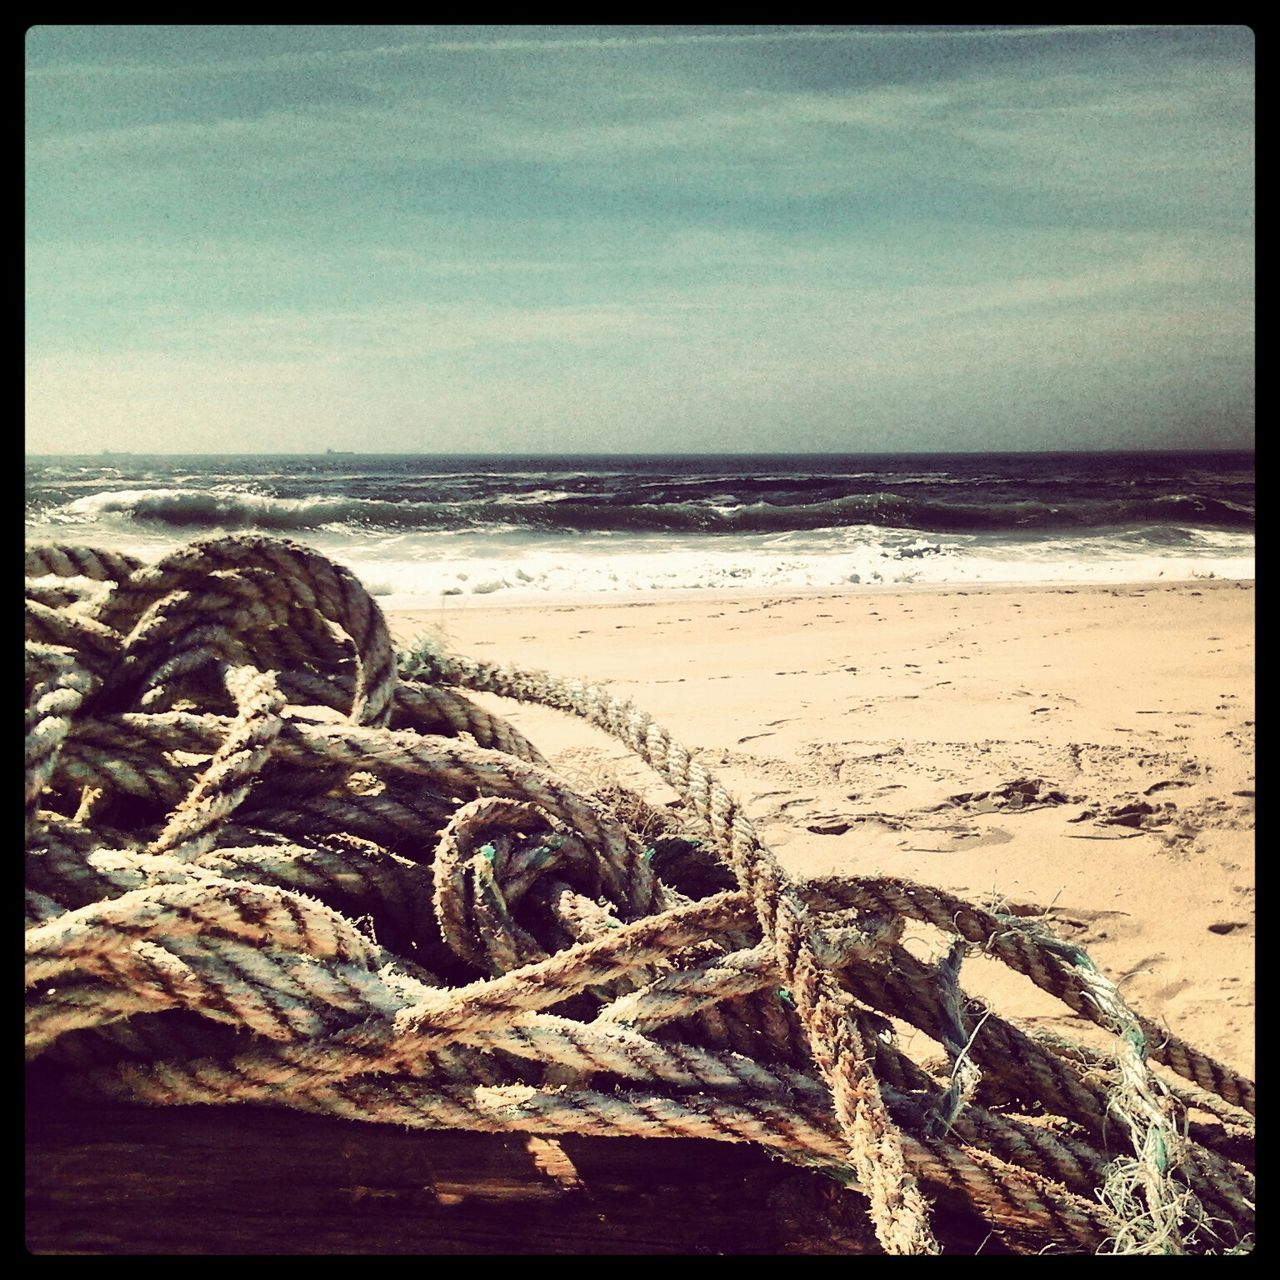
[614, 453]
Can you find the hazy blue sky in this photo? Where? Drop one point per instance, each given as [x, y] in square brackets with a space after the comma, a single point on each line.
[639, 238]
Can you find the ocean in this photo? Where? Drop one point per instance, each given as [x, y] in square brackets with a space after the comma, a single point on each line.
[422, 529]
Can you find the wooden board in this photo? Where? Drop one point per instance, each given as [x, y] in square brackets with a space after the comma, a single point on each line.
[213, 1180]
[118, 1179]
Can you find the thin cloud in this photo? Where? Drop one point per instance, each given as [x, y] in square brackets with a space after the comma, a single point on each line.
[1082, 134]
[554, 44]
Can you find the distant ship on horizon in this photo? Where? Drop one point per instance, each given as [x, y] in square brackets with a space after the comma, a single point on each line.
[341, 452]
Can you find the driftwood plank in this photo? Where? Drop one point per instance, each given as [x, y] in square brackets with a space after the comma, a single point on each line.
[212, 1180]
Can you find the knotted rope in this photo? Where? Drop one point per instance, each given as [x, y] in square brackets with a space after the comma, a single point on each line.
[265, 865]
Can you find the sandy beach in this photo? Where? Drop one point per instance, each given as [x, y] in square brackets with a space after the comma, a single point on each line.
[1086, 750]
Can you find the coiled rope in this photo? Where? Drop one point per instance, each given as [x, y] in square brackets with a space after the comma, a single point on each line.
[269, 862]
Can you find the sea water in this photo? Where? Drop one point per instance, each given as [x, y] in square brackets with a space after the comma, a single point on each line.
[420, 530]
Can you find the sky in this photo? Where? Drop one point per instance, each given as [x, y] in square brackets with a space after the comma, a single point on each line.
[638, 239]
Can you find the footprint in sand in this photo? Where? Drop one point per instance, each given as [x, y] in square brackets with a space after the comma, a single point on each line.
[828, 827]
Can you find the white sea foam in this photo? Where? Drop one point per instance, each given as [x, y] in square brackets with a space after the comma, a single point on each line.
[415, 569]
[627, 572]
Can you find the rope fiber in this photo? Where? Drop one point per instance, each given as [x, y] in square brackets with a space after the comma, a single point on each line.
[269, 861]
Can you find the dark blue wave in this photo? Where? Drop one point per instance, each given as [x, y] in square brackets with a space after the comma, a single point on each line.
[690, 495]
[566, 513]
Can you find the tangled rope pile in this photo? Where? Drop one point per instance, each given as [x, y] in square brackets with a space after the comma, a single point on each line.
[265, 865]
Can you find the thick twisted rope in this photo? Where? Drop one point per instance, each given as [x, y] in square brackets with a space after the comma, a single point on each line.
[410, 917]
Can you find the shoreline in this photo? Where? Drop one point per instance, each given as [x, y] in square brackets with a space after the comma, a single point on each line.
[1084, 749]
[721, 596]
